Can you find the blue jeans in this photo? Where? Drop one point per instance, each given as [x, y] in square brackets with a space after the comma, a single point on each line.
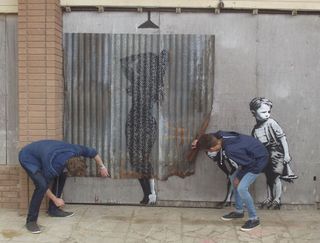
[242, 194]
[41, 186]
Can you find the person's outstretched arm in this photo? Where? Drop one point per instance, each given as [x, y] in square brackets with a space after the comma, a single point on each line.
[103, 170]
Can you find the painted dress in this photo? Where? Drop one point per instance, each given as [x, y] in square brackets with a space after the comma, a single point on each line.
[145, 73]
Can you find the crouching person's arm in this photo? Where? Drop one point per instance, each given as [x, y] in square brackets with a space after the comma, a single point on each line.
[102, 169]
[57, 201]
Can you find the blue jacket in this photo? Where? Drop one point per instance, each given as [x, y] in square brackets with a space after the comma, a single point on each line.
[244, 150]
[50, 156]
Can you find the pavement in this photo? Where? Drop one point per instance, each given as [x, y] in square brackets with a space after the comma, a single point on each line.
[130, 224]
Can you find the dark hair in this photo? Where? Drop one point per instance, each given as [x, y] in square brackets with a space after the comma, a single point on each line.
[207, 141]
[76, 166]
[256, 103]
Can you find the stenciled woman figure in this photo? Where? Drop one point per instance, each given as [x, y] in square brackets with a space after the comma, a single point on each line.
[269, 132]
[145, 73]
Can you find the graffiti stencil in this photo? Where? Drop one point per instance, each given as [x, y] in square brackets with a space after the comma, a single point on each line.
[269, 133]
[145, 73]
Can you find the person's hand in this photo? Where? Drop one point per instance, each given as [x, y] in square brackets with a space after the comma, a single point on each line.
[59, 202]
[194, 144]
[104, 172]
[236, 182]
[286, 159]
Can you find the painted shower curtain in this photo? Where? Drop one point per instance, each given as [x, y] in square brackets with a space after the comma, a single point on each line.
[138, 99]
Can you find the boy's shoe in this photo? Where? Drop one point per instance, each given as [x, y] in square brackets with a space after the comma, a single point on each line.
[152, 199]
[250, 224]
[33, 227]
[59, 213]
[232, 215]
[266, 203]
[145, 200]
[275, 205]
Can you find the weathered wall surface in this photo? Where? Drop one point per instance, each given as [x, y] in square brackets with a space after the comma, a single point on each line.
[8, 90]
[276, 56]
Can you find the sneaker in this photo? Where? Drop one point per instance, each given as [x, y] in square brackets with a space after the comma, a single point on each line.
[232, 215]
[60, 213]
[250, 224]
[33, 227]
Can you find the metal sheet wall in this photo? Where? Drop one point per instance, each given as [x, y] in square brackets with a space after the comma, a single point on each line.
[101, 70]
[8, 90]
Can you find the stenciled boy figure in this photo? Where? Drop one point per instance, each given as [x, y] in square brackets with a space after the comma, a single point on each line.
[45, 162]
[271, 135]
[250, 158]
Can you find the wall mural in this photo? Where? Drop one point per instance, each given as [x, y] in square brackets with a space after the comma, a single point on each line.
[269, 132]
[139, 100]
[145, 73]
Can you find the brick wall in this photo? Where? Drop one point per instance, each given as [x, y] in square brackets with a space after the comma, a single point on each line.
[40, 77]
[9, 186]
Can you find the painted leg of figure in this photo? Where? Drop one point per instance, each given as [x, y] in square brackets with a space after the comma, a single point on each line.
[144, 182]
[277, 191]
[267, 202]
[229, 193]
[152, 195]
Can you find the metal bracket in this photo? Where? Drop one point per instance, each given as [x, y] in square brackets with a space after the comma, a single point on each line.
[140, 10]
[255, 11]
[100, 9]
[294, 12]
[178, 10]
[68, 9]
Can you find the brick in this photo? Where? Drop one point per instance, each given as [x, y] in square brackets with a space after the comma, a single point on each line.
[35, 114]
[37, 101]
[37, 89]
[38, 83]
[37, 6]
[36, 12]
[7, 177]
[36, 64]
[37, 57]
[36, 70]
[10, 195]
[40, 2]
[9, 183]
[32, 31]
[37, 126]
[35, 51]
[37, 44]
[37, 107]
[38, 26]
[37, 38]
[37, 95]
[12, 205]
[38, 132]
[8, 188]
[37, 76]
[36, 19]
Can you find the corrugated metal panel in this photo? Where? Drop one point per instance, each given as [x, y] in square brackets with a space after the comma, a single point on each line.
[138, 99]
[8, 90]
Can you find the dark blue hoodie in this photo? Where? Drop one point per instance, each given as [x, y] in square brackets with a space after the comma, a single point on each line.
[248, 152]
[50, 156]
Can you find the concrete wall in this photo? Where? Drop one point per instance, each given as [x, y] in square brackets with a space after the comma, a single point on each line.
[276, 56]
